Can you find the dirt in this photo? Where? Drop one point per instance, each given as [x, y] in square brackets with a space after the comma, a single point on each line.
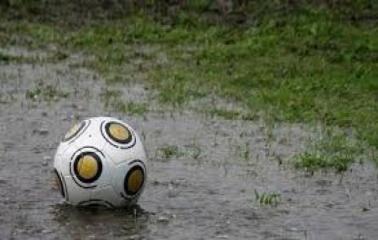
[206, 190]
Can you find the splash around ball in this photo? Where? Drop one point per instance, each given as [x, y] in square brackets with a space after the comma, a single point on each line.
[101, 161]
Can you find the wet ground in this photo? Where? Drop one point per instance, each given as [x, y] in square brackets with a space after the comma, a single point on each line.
[203, 171]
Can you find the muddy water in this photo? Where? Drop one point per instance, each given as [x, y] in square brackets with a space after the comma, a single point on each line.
[204, 191]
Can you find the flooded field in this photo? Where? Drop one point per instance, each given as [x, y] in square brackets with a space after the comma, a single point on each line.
[204, 172]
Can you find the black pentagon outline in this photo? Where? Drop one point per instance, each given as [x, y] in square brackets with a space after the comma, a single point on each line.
[99, 164]
[64, 186]
[60, 183]
[134, 168]
[107, 130]
[107, 137]
[83, 126]
[95, 202]
[91, 149]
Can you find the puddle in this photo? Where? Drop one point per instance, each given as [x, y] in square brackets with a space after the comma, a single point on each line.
[203, 189]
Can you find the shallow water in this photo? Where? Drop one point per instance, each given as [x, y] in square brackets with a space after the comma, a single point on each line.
[206, 191]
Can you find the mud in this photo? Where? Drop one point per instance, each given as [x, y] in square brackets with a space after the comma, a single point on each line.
[205, 190]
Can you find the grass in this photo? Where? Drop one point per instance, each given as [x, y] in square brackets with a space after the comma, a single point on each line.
[192, 150]
[311, 69]
[331, 151]
[5, 57]
[301, 64]
[230, 114]
[269, 199]
[113, 100]
[168, 151]
[45, 92]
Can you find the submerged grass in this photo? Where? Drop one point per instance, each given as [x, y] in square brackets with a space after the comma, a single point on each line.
[308, 64]
[45, 92]
[330, 151]
[267, 199]
[113, 100]
[168, 151]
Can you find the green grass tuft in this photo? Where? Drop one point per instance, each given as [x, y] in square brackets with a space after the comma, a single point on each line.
[113, 100]
[270, 199]
[168, 151]
[332, 151]
[45, 92]
[4, 57]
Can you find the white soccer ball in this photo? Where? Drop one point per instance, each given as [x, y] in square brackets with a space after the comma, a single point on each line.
[101, 161]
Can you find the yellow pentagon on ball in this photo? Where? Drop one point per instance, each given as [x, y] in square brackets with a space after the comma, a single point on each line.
[135, 180]
[119, 132]
[87, 167]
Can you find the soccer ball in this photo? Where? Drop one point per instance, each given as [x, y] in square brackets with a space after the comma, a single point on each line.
[101, 161]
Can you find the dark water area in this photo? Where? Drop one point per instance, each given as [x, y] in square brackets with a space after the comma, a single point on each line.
[204, 190]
